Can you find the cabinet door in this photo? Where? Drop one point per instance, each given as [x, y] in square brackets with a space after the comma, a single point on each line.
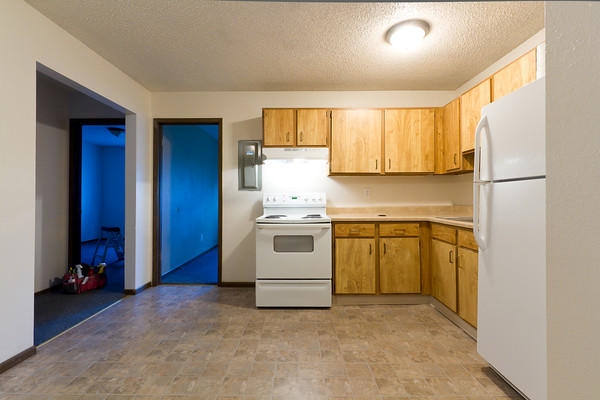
[467, 285]
[515, 75]
[312, 127]
[443, 271]
[279, 126]
[440, 166]
[355, 266]
[356, 141]
[399, 265]
[471, 104]
[451, 135]
[409, 138]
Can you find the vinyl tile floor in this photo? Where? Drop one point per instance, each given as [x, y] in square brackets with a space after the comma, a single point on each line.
[205, 342]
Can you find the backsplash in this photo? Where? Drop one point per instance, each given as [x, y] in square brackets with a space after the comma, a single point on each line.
[358, 191]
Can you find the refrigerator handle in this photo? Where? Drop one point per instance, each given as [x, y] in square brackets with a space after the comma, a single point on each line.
[478, 225]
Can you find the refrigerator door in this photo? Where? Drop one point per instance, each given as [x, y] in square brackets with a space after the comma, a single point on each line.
[513, 137]
[511, 329]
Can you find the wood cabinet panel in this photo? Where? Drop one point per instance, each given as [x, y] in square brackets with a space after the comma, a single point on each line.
[440, 166]
[443, 232]
[399, 265]
[451, 136]
[399, 229]
[356, 138]
[409, 140]
[355, 266]
[312, 127]
[354, 230]
[467, 285]
[279, 127]
[466, 239]
[515, 75]
[443, 258]
[471, 104]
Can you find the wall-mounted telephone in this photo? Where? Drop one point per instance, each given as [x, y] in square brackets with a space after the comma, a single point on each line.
[250, 159]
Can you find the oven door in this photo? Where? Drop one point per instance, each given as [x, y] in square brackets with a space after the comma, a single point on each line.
[293, 251]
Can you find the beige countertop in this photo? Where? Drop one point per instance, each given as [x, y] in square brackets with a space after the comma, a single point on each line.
[439, 214]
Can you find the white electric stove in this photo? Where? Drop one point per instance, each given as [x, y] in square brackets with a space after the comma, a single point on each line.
[293, 251]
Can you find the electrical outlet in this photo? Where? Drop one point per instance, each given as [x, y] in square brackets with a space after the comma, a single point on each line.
[367, 193]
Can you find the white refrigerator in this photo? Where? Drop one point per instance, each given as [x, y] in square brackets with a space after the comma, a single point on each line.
[509, 223]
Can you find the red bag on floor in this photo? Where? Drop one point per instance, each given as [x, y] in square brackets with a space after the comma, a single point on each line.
[73, 283]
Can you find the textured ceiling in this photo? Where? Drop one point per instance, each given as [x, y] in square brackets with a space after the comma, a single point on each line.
[195, 45]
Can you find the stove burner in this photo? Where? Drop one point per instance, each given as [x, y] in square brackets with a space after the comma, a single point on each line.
[313, 216]
[275, 216]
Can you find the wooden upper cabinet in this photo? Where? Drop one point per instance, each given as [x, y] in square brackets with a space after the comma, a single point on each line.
[356, 141]
[312, 127]
[515, 75]
[290, 127]
[451, 136]
[471, 104]
[279, 127]
[409, 140]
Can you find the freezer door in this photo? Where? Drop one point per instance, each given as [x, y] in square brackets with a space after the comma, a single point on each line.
[511, 328]
[513, 135]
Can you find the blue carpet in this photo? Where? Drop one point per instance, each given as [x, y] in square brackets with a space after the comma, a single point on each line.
[203, 269]
[56, 311]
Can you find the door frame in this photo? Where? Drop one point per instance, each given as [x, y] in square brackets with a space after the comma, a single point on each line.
[157, 156]
[75, 151]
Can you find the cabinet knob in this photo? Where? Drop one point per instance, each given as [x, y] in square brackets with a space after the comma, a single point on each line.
[384, 248]
[389, 164]
[370, 249]
[451, 257]
[300, 137]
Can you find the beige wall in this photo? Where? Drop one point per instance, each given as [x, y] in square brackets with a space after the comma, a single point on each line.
[27, 38]
[241, 113]
[573, 193]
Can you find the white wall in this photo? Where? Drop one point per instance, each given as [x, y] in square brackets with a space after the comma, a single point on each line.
[26, 37]
[573, 193]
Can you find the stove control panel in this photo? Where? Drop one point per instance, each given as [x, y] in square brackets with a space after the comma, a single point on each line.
[313, 199]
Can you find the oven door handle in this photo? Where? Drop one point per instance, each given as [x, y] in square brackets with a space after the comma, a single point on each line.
[293, 226]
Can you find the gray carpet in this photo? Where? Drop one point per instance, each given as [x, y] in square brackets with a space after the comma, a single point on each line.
[56, 311]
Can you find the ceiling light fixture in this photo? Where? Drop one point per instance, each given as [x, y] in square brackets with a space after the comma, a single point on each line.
[407, 34]
[116, 132]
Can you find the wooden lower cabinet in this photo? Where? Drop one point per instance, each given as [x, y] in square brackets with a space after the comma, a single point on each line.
[399, 265]
[443, 272]
[374, 258]
[467, 285]
[355, 264]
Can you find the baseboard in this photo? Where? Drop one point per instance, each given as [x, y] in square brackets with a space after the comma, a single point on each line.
[237, 284]
[133, 292]
[367, 299]
[454, 318]
[22, 356]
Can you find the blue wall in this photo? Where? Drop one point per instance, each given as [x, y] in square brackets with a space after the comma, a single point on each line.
[102, 184]
[189, 193]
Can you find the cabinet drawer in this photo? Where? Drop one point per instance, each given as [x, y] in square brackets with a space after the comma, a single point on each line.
[399, 229]
[466, 239]
[355, 230]
[443, 232]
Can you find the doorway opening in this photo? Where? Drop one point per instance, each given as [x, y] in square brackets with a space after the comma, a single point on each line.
[187, 201]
